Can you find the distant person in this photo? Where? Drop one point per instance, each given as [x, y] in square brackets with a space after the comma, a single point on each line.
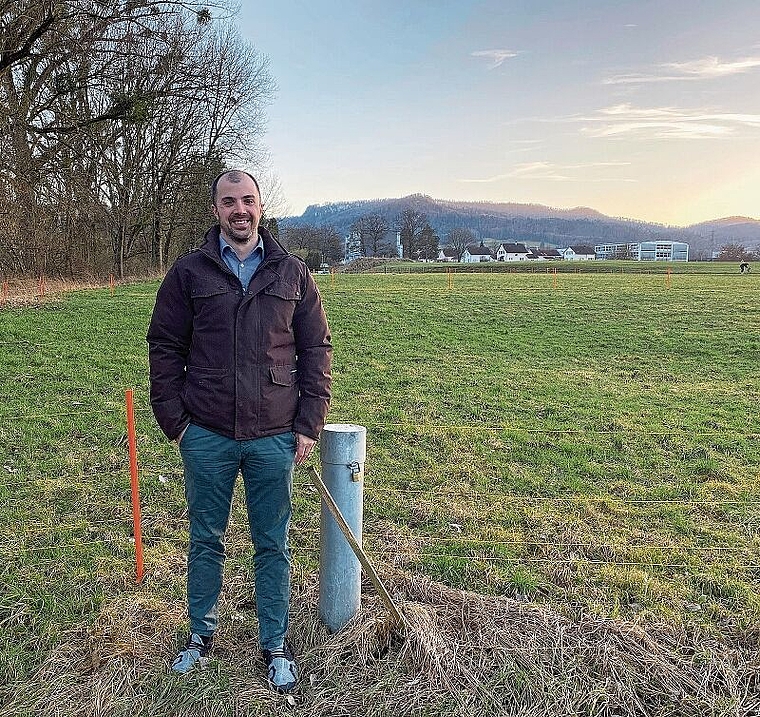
[240, 358]
[744, 267]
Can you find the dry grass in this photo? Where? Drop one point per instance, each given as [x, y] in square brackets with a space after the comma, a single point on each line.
[21, 292]
[461, 654]
[27, 292]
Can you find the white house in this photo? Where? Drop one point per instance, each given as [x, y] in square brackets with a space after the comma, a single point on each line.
[475, 254]
[511, 252]
[537, 254]
[447, 254]
[579, 252]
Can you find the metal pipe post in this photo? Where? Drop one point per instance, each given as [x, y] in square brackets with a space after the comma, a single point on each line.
[343, 451]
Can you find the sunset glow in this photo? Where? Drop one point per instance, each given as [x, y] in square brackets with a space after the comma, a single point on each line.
[644, 110]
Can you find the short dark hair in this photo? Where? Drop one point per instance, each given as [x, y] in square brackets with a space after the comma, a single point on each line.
[235, 177]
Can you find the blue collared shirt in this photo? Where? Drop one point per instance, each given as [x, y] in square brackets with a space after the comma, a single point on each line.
[243, 270]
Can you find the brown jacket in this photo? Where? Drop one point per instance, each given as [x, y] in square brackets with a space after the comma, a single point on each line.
[245, 365]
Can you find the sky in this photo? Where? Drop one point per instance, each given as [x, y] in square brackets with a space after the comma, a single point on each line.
[642, 109]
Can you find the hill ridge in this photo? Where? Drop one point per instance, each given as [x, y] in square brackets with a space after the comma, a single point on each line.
[536, 224]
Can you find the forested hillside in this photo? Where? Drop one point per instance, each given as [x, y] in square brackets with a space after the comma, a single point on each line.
[531, 223]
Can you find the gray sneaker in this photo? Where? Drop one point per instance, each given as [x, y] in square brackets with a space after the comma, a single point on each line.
[281, 668]
[195, 653]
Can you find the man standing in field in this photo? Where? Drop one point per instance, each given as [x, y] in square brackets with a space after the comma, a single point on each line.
[240, 378]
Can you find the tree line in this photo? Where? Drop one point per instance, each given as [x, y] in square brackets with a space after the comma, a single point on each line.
[373, 235]
[735, 251]
[116, 115]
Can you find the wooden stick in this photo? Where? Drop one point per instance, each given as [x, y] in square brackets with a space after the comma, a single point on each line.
[354, 543]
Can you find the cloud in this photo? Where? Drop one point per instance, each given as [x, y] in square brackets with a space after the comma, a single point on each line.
[524, 145]
[664, 123]
[495, 57]
[713, 67]
[556, 172]
[705, 68]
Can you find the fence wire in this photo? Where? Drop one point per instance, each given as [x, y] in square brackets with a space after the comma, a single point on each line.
[68, 480]
[425, 544]
[33, 530]
[409, 426]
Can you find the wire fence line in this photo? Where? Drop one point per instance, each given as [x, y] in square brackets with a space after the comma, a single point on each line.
[67, 480]
[119, 521]
[422, 555]
[40, 290]
[120, 524]
[427, 549]
[409, 426]
[409, 558]
[33, 530]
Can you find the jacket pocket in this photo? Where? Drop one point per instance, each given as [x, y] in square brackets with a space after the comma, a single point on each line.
[205, 373]
[209, 396]
[283, 290]
[279, 398]
[278, 304]
[283, 375]
[213, 301]
[209, 289]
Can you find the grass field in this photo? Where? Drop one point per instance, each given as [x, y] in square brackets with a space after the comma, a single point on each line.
[586, 443]
[612, 266]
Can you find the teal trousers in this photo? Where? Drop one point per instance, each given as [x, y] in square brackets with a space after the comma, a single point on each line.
[212, 463]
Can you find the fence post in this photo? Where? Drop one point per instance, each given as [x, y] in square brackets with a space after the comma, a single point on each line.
[343, 451]
[135, 485]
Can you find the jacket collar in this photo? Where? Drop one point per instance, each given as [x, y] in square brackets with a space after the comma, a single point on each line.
[267, 272]
[272, 248]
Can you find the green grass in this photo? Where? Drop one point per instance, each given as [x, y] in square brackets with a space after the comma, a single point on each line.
[614, 266]
[589, 442]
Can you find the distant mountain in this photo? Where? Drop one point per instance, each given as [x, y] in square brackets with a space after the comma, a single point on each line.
[730, 230]
[535, 224]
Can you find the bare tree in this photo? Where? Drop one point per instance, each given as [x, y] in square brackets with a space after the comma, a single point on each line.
[734, 251]
[115, 117]
[411, 224]
[272, 195]
[315, 245]
[459, 239]
[372, 231]
[28, 25]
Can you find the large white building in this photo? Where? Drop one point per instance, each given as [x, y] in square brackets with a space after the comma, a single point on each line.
[644, 251]
[352, 246]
